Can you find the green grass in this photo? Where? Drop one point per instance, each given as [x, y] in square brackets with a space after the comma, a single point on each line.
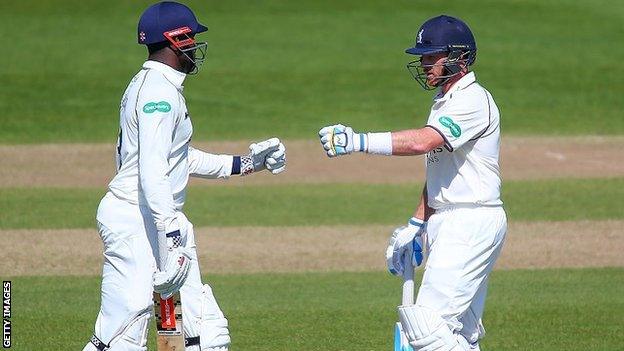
[284, 205]
[546, 310]
[278, 67]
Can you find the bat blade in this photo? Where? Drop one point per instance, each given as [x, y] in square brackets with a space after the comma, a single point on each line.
[169, 331]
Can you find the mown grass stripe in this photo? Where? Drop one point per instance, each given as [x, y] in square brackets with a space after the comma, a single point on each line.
[326, 204]
[317, 62]
[549, 310]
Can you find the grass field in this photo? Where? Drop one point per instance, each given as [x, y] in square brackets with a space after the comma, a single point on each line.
[546, 310]
[286, 68]
[274, 205]
[279, 67]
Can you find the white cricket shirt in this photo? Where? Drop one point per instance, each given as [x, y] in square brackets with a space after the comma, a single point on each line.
[465, 171]
[154, 158]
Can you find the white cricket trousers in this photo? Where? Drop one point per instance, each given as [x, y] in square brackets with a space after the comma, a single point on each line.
[130, 250]
[463, 244]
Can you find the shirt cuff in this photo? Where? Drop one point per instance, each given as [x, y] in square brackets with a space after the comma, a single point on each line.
[236, 165]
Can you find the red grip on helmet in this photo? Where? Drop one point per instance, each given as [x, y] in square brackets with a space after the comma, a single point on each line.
[179, 43]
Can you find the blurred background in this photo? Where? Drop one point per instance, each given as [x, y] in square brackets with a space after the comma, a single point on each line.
[296, 260]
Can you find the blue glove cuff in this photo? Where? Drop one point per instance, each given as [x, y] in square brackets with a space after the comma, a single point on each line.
[362, 147]
[416, 222]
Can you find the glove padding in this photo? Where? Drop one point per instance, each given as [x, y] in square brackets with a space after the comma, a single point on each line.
[338, 140]
[275, 161]
[268, 154]
[177, 268]
[405, 242]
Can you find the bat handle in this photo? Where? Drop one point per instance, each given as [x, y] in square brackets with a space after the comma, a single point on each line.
[408, 282]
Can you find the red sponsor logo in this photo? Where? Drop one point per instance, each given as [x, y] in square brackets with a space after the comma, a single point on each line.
[167, 312]
[178, 31]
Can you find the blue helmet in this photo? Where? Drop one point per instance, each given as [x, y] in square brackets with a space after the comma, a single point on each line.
[444, 34]
[176, 24]
[164, 17]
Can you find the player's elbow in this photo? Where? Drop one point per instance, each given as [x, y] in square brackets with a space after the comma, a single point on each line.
[147, 182]
[151, 179]
[418, 147]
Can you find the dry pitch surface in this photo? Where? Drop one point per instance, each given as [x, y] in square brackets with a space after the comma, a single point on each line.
[522, 158]
[325, 248]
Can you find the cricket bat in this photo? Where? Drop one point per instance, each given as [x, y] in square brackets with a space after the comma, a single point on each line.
[400, 339]
[169, 332]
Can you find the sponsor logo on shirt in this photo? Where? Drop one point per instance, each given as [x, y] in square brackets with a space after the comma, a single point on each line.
[432, 157]
[453, 127]
[162, 106]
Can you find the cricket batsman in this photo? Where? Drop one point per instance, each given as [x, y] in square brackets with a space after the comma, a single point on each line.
[149, 244]
[460, 208]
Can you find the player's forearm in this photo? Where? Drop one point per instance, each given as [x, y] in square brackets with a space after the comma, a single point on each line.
[420, 211]
[154, 183]
[423, 211]
[400, 143]
[206, 165]
[415, 141]
[157, 194]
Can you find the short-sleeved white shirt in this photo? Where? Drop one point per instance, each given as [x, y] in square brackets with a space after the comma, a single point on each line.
[465, 171]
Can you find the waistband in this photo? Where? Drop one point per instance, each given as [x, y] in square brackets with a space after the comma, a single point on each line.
[111, 207]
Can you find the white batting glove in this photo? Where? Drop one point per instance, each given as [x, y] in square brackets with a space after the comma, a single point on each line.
[338, 140]
[275, 161]
[177, 268]
[259, 155]
[405, 242]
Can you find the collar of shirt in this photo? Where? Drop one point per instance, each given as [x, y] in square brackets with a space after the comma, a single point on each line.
[459, 85]
[175, 77]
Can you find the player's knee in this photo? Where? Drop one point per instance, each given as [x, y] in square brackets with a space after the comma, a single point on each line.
[132, 338]
[426, 330]
[211, 328]
[213, 335]
[134, 335]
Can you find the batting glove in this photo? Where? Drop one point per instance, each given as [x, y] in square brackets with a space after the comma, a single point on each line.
[177, 268]
[338, 140]
[268, 154]
[405, 242]
[275, 161]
